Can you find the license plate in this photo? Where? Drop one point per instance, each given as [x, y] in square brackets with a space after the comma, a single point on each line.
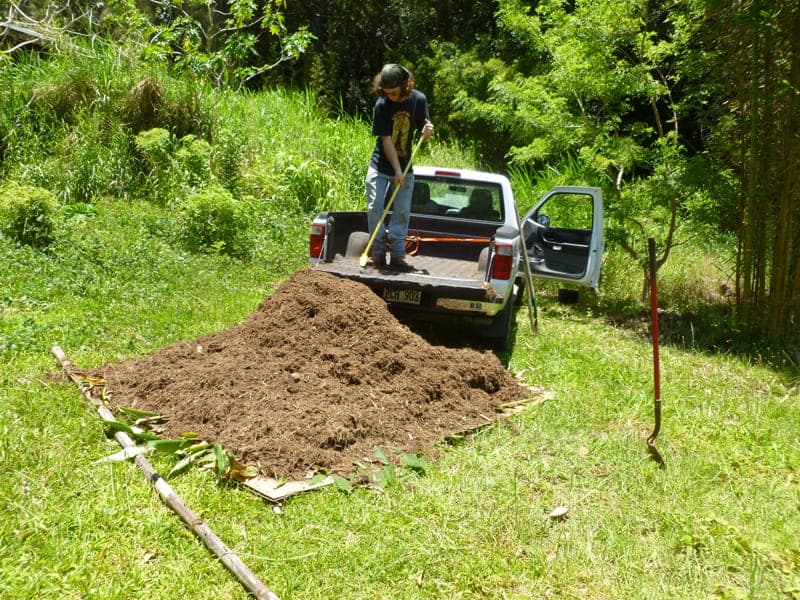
[401, 295]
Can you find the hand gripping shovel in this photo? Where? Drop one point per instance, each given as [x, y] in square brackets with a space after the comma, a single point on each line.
[362, 262]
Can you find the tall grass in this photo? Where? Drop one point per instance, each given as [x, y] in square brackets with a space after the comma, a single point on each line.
[74, 118]
[78, 121]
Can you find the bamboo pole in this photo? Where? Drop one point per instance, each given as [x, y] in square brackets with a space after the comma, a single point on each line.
[234, 564]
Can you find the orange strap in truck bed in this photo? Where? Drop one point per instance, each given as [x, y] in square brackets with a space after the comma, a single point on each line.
[414, 242]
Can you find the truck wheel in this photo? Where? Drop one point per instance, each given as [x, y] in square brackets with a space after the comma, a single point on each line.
[483, 259]
[357, 243]
[523, 289]
[566, 296]
[500, 334]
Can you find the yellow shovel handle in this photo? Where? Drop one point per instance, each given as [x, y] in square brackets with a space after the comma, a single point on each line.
[363, 260]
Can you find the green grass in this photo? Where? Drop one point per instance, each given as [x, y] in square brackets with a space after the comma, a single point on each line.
[721, 520]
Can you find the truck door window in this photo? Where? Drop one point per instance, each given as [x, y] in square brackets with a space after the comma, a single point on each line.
[567, 211]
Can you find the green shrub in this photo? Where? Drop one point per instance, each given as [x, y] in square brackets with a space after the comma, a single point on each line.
[228, 153]
[213, 220]
[173, 167]
[155, 148]
[194, 155]
[26, 214]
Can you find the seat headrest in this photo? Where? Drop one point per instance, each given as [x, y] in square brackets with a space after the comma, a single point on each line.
[421, 193]
[481, 200]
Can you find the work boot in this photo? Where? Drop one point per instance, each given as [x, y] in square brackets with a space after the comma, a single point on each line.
[379, 261]
[400, 265]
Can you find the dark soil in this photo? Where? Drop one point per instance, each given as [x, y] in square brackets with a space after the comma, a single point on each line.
[314, 379]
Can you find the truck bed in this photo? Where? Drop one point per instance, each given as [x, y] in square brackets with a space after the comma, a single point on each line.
[430, 272]
[442, 269]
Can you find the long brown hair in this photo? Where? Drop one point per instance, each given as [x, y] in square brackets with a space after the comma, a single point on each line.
[406, 88]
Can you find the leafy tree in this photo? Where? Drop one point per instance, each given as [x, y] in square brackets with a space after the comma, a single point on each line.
[226, 42]
[353, 39]
[593, 79]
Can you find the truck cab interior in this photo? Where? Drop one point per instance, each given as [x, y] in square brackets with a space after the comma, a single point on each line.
[463, 200]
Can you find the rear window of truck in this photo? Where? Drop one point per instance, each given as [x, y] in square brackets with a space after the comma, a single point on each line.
[449, 197]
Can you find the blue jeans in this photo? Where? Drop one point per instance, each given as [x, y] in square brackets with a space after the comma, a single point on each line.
[377, 186]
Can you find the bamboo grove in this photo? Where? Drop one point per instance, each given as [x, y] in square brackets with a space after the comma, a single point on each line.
[766, 107]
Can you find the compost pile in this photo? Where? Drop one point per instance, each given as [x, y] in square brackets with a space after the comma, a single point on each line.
[317, 377]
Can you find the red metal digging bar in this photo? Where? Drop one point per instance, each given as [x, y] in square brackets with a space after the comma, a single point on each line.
[651, 446]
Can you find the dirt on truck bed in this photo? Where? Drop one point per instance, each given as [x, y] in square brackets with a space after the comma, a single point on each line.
[315, 378]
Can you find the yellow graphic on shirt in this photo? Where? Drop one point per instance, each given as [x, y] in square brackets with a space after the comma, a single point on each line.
[401, 130]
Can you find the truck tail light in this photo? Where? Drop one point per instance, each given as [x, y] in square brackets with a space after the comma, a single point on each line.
[502, 261]
[316, 240]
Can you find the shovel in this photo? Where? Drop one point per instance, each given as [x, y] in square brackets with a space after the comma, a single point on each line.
[533, 313]
[362, 262]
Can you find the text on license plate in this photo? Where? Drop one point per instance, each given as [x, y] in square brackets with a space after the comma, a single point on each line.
[402, 295]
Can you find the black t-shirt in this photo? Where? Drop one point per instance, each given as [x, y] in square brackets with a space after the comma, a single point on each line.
[399, 120]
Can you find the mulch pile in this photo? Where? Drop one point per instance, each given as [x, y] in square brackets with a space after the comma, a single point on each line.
[314, 379]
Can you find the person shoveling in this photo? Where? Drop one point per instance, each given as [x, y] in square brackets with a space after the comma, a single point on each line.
[400, 111]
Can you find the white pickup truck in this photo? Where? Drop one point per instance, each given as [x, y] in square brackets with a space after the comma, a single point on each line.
[465, 246]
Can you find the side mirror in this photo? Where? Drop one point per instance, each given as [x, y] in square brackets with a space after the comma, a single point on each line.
[543, 220]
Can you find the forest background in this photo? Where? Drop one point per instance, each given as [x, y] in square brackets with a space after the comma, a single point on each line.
[685, 113]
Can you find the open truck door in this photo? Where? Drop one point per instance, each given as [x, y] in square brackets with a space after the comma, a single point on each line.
[563, 235]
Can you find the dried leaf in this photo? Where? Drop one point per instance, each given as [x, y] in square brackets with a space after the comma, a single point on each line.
[183, 465]
[124, 454]
[241, 472]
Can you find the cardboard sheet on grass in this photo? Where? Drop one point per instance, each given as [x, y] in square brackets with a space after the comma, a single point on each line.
[277, 491]
[313, 380]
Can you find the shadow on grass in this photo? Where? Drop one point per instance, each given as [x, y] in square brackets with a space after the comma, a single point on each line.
[710, 328]
[460, 336]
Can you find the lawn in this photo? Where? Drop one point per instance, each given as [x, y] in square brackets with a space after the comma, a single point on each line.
[721, 519]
